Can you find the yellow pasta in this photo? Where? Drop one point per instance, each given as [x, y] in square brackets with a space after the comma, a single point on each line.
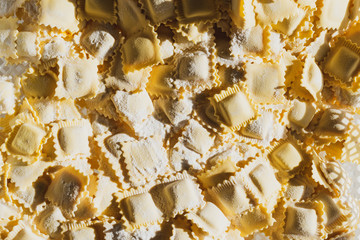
[179, 119]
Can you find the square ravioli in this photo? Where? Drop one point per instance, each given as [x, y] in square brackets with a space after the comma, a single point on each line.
[301, 222]
[286, 157]
[98, 43]
[182, 195]
[140, 51]
[194, 67]
[343, 63]
[235, 109]
[333, 13]
[133, 107]
[265, 82]
[197, 138]
[26, 44]
[264, 180]
[66, 188]
[28, 139]
[141, 210]
[145, 159]
[79, 79]
[71, 139]
[259, 178]
[60, 14]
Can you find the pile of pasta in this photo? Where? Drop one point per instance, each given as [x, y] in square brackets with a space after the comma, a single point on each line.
[179, 119]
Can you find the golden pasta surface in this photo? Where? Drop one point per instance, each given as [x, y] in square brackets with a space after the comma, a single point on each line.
[179, 119]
